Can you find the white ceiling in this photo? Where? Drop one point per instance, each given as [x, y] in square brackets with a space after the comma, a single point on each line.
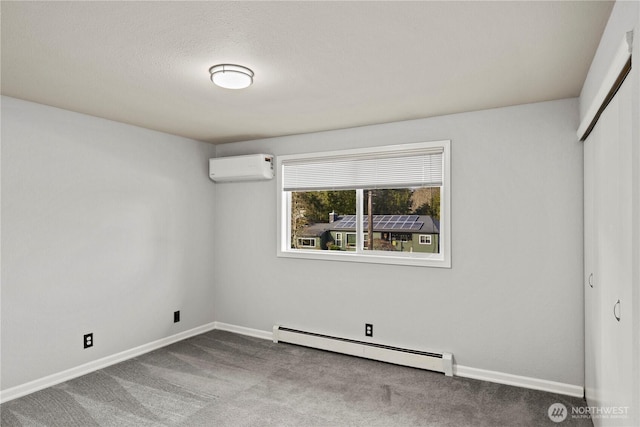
[318, 65]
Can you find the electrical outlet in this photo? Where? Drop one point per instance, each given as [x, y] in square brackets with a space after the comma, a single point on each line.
[176, 316]
[88, 340]
[368, 329]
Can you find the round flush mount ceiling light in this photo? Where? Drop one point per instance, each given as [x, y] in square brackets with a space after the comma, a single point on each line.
[230, 76]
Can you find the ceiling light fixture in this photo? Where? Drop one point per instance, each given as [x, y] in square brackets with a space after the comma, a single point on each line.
[230, 76]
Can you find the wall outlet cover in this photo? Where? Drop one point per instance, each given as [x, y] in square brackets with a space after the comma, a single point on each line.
[368, 329]
[88, 340]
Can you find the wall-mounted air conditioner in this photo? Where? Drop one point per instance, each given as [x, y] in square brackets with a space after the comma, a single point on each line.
[253, 167]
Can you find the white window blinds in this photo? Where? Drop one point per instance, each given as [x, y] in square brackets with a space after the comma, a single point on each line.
[413, 168]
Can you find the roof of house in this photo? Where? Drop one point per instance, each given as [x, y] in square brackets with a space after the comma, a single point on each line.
[316, 229]
[381, 223]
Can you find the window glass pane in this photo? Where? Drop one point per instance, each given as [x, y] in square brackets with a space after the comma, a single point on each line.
[351, 241]
[319, 215]
[402, 219]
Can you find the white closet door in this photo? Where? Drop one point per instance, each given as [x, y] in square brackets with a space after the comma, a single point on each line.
[608, 251]
[618, 265]
[593, 335]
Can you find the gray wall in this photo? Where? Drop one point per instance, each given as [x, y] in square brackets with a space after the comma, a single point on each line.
[512, 302]
[106, 228]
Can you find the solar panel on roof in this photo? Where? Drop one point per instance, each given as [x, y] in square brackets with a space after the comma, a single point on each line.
[344, 225]
[382, 222]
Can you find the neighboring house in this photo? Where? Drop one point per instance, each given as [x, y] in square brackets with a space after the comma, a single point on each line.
[314, 236]
[406, 233]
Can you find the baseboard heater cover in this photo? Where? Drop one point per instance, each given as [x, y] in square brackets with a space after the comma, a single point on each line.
[432, 361]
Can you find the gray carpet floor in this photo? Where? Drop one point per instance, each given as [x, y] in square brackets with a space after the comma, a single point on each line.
[223, 379]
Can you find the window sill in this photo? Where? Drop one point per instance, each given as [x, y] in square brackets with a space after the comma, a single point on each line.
[422, 260]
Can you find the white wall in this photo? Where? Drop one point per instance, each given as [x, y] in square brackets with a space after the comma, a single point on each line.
[513, 300]
[106, 228]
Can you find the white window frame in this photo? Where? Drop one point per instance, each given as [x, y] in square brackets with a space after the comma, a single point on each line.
[311, 239]
[441, 259]
[427, 238]
[339, 239]
[346, 239]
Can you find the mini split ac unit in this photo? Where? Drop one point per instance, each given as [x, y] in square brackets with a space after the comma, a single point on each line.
[253, 167]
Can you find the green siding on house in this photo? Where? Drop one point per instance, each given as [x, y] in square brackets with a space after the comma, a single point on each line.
[428, 248]
[402, 233]
[404, 242]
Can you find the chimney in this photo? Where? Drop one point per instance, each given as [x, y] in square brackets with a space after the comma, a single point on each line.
[332, 217]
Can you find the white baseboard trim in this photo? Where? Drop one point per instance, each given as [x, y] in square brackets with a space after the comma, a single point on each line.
[518, 381]
[257, 333]
[458, 370]
[51, 380]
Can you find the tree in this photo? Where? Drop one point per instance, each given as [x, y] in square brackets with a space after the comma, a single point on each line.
[341, 202]
[298, 217]
[426, 201]
[318, 204]
[391, 201]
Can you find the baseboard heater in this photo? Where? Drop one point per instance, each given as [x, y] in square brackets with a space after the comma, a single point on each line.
[439, 362]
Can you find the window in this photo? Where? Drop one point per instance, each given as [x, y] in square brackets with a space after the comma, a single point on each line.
[391, 203]
[401, 237]
[425, 239]
[307, 242]
[351, 240]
